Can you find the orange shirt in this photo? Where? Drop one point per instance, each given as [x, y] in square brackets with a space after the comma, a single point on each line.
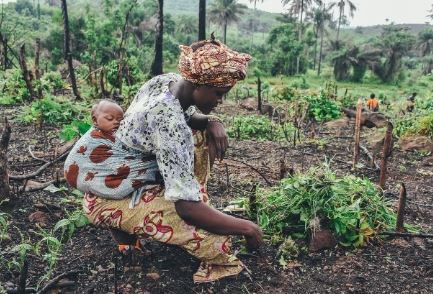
[372, 103]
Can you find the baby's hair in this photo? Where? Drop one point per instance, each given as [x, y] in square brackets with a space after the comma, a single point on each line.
[372, 95]
[98, 103]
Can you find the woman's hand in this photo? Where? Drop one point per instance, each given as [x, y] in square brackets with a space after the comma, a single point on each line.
[217, 140]
[254, 237]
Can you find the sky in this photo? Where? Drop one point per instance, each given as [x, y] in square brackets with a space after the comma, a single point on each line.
[371, 12]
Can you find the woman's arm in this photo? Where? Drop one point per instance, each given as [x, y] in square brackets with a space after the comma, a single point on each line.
[217, 137]
[198, 122]
[214, 221]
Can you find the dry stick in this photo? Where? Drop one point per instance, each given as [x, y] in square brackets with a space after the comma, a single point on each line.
[357, 133]
[385, 154]
[253, 203]
[35, 157]
[23, 276]
[54, 281]
[400, 210]
[370, 156]
[39, 170]
[227, 178]
[42, 186]
[413, 235]
[254, 169]
[115, 274]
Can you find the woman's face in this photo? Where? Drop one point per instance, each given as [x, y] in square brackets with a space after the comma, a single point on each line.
[206, 98]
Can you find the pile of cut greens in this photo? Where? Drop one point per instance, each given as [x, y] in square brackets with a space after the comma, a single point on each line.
[351, 207]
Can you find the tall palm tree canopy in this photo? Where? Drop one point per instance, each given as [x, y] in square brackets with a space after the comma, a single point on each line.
[226, 11]
[342, 5]
[299, 6]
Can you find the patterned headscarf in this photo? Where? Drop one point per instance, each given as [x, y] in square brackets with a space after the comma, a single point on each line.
[212, 63]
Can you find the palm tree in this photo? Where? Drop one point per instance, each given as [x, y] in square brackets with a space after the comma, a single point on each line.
[341, 7]
[320, 16]
[425, 45]
[202, 20]
[394, 43]
[156, 68]
[359, 59]
[252, 21]
[298, 7]
[185, 28]
[224, 12]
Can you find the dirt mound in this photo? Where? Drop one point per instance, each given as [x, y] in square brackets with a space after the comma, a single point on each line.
[418, 143]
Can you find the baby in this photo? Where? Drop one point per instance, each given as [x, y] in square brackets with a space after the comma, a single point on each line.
[101, 165]
[106, 116]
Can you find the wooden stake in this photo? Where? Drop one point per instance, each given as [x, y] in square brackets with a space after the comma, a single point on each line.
[4, 175]
[400, 210]
[357, 133]
[387, 147]
[37, 69]
[23, 276]
[253, 203]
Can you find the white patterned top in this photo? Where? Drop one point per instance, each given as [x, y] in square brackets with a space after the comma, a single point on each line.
[156, 124]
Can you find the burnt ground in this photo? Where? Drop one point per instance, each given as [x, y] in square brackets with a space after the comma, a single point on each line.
[393, 265]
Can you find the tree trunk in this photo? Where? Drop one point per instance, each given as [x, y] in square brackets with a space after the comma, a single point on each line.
[67, 49]
[339, 23]
[316, 43]
[156, 68]
[120, 51]
[202, 20]
[37, 69]
[27, 75]
[259, 95]
[299, 36]
[320, 52]
[4, 178]
[5, 60]
[252, 24]
[225, 32]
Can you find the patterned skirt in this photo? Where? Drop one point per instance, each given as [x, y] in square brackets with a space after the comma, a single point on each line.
[156, 218]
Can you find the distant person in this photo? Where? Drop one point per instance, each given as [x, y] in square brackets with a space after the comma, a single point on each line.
[411, 102]
[373, 103]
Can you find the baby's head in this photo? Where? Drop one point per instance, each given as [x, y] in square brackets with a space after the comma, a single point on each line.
[106, 115]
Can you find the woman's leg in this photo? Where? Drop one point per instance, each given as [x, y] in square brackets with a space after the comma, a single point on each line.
[156, 218]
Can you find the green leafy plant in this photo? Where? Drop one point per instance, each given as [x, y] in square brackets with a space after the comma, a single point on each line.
[75, 128]
[259, 128]
[49, 110]
[321, 108]
[4, 226]
[13, 87]
[68, 226]
[415, 124]
[351, 207]
[286, 93]
[21, 251]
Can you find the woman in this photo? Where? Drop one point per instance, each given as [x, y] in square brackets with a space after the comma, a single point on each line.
[159, 124]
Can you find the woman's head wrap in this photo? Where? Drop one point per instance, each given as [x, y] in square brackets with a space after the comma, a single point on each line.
[212, 63]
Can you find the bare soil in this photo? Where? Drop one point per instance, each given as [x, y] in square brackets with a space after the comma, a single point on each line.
[393, 265]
